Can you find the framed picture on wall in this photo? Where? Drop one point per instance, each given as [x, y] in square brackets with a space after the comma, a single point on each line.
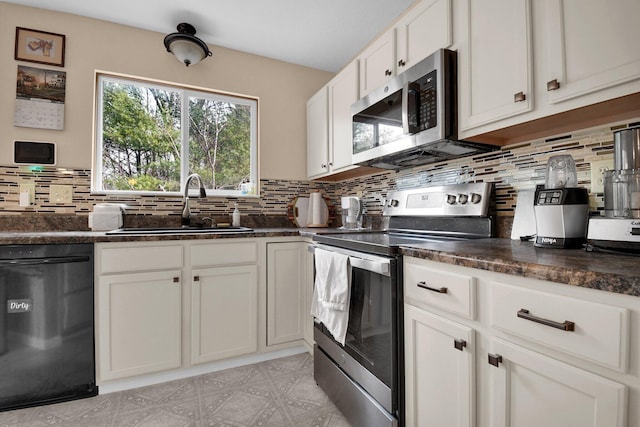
[39, 46]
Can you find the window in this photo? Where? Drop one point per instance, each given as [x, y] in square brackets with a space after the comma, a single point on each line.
[151, 137]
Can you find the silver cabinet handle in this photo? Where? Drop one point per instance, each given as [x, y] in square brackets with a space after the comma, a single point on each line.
[553, 85]
[441, 290]
[565, 326]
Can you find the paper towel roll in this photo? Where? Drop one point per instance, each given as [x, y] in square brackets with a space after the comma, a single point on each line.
[316, 208]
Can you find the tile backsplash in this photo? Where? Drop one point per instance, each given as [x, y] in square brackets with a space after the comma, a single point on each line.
[516, 167]
[513, 168]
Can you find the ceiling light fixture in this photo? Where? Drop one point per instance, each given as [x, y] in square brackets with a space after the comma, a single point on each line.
[186, 46]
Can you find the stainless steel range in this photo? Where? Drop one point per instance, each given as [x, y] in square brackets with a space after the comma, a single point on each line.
[364, 377]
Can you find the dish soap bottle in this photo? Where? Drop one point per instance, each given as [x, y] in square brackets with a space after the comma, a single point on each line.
[235, 217]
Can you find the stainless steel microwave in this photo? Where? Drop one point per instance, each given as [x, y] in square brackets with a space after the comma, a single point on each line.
[412, 119]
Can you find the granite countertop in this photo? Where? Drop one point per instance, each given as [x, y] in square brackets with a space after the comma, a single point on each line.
[55, 237]
[577, 267]
[607, 272]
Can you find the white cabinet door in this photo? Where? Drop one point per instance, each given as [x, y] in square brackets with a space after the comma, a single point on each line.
[343, 91]
[329, 126]
[532, 390]
[377, 62]
[286, 274]
[439, 377]
[318, 134]
[495, 61]
[423, 30]
[592, 45]
[139, 318]
[307, 318]
[224, 312]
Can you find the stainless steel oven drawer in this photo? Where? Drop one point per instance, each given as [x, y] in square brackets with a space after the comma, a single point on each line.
[356, 405]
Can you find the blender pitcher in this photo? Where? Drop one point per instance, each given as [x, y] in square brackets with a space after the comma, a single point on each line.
[561, 172]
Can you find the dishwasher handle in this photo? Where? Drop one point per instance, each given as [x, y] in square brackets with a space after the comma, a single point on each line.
[42, 261]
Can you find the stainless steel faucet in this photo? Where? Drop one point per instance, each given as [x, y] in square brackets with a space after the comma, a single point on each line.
[186, 212]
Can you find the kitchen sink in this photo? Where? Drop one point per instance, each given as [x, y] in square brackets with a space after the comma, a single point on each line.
[179, 230]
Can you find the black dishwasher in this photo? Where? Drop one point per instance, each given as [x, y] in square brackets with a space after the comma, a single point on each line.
[46, 324]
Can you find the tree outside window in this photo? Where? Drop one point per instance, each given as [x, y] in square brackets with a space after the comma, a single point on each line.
[150, 137]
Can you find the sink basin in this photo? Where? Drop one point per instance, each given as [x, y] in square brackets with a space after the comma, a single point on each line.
[179, 230]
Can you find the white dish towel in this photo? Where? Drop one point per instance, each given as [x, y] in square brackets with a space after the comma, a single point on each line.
[330, 304]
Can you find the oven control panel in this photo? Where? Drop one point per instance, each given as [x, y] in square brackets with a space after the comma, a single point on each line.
[445, 200]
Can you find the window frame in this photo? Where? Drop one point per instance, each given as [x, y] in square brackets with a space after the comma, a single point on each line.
[186, 91]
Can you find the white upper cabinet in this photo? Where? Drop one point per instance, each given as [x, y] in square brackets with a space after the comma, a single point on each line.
[591, 46]
[494, 61]
[377, 62]
[423, 30]
[329, 124]
[426, 28]
[521, 61]
[343, 92]
[318, 134]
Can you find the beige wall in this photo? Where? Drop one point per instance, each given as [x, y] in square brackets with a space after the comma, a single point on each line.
[92, 45]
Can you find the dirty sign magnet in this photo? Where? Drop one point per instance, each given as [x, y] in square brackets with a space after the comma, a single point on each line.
[19, 305]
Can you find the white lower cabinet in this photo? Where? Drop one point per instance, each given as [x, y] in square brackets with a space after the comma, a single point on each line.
[224, 312]
[308, 283]
[439, 370]
[286, 274]
[139, 316]
[175, 304]
[546, 354]
[533, 390]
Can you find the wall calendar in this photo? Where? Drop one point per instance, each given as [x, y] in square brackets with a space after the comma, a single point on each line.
[40, 96]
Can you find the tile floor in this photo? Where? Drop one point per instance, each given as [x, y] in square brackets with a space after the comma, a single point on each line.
[278, 393]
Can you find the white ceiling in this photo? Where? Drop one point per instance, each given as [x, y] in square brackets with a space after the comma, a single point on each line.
[322, 34]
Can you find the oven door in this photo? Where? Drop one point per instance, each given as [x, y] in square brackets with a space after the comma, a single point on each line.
[373, 328]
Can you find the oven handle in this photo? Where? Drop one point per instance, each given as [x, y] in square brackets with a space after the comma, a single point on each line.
[372, 263]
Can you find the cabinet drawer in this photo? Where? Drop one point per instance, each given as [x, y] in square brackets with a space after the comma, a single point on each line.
[591, 331]
[140, 258]
[227, 253]
[453, 292]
